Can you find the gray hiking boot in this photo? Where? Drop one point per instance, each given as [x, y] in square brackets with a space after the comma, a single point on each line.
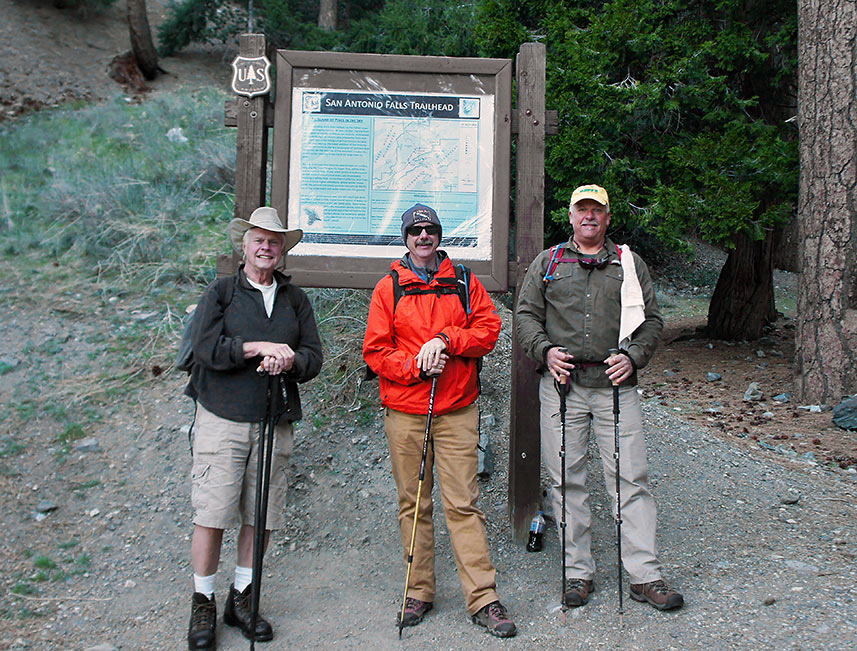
[415, 610]
[577, 592]
[658, 594]
[494, 618]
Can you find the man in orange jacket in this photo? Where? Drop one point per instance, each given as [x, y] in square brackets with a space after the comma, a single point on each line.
[420, 326]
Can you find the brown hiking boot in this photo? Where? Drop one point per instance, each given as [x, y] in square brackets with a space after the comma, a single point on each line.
[577, 592]
[415, 610]
[237, 613]
[203, 619]
[658, 594]
[494, 618]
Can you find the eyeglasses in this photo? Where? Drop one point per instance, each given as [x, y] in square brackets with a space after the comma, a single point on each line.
[415, 231]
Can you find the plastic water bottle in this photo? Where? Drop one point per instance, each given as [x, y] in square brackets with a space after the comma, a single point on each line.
[537, 532]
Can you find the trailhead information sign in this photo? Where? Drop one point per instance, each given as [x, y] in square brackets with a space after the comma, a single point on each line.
[360, 159]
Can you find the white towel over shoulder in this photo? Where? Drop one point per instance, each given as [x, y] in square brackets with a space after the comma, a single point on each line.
[633, 305]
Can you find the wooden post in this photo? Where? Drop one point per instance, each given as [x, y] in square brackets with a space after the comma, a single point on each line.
[524, 433]
[251, 162]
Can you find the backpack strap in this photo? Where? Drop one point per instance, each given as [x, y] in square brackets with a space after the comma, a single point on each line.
[231, 281]
[556, 258]
[462, 275]
[397, 288]
[460, 285]
[553, 261]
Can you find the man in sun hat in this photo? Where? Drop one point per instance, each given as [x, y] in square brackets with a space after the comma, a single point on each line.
[254, 319]
[435, 329]
[578, 301]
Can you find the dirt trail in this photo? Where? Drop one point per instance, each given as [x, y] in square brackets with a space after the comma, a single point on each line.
[762, 547]
[49, 55]
[95, 543]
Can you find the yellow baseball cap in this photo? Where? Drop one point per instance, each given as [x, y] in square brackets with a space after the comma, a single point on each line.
[594, 192]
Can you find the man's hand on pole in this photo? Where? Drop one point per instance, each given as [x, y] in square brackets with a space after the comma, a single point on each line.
[559, 363]
[431, 359]
[619, 368]
[276, 358]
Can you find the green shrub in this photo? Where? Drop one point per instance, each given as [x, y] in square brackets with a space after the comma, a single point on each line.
[23, 588]
[204, 21]
[431, 27]
[9, 446]
[44, 563]
[682, 110]
[73, 432]
[115, 192]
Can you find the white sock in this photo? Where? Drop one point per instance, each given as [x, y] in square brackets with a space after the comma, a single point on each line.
[243, 577]
[204, 584]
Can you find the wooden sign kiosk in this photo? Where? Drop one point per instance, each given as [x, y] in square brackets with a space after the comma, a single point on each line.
[529, 122]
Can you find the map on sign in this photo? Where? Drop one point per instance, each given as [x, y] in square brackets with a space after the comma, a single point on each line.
[358, 160]
[426, 155]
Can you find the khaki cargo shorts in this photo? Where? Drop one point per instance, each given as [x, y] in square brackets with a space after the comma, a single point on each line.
[225, 461]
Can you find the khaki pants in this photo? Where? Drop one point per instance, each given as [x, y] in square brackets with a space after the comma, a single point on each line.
[453, 451]
[585, 407]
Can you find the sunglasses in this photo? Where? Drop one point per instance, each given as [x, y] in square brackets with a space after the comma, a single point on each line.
[589, 263]
[415, 231]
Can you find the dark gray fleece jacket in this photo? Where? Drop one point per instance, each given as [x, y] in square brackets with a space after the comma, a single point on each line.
[222, 380]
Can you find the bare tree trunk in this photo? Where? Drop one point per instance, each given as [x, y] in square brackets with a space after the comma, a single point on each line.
[327, 12]
[141, 39]
[743, 300]
[826, 337]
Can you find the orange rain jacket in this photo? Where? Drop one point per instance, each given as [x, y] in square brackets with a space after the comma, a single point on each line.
[392, 341]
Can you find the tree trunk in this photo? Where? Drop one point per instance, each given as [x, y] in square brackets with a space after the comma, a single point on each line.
[826, 337]
[327, 12]
[743, 300]
[787, 248]
[141, 39]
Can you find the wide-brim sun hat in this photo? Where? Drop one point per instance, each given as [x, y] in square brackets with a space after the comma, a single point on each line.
[267, 219]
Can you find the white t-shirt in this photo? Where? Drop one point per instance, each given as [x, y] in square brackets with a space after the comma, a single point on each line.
[268, 294]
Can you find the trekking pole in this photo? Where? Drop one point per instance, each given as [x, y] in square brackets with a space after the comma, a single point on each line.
[417, 505]
[561, 389]
[265, 452]
[614, 351]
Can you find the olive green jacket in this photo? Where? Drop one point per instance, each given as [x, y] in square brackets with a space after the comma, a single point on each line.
[579, 309]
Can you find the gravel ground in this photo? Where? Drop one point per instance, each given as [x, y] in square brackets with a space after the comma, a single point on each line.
[762, 547]
[736, 533]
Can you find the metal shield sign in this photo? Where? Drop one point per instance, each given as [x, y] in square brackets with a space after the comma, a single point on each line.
[251, 75]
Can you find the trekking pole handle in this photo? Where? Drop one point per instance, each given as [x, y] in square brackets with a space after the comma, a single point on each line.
[611, 352]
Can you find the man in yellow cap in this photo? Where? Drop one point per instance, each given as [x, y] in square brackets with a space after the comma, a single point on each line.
[579, 301]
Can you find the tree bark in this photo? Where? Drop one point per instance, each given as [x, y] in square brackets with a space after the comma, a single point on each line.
[141, 39]
[327, 14]
[743, 300]
[787, 249]
[826, 336]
